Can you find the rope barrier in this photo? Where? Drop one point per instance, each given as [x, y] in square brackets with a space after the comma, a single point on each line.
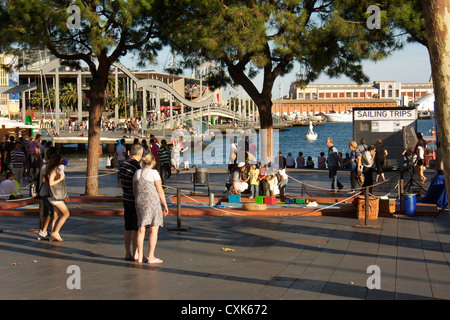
[221, 210]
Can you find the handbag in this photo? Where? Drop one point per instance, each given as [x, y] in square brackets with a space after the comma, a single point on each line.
[360, 178]
[58, 192]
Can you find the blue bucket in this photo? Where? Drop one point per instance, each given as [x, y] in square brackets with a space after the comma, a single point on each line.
[408, 205]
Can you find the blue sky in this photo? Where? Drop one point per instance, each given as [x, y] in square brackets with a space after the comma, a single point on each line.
[411, 64]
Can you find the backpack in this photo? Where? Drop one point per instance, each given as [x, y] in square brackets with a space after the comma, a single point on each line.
[35, 188]
[33, 148]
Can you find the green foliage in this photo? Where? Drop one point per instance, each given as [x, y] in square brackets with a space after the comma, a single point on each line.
[328, 37]
[109, 29]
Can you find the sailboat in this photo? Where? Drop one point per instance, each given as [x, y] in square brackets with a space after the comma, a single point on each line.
[311, 135]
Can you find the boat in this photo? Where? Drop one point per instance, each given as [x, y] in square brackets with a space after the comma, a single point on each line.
[339, 117]
[311, 135]
[425, 106]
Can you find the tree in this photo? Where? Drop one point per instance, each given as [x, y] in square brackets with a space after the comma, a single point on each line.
[108, 30]
[426, 22]
[244, 37]
[437, 20]
[69, 96]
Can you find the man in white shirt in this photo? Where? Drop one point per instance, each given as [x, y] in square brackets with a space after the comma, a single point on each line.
[7, 186]
[367, 159]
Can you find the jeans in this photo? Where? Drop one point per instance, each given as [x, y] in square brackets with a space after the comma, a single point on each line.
[254, 188]
[335, 183]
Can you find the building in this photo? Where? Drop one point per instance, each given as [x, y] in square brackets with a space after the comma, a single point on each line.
[32, 61]
[326, 97]
[9, 103]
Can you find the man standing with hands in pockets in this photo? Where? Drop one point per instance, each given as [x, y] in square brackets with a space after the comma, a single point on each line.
[333, 162]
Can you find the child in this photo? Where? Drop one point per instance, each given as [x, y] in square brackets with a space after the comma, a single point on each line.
[271, 181]
[283, 182]
[254, 181]
[109, 162]
[263, 179]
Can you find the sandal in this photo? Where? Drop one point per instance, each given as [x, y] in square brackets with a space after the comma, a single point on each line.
[156, 260]
[145, 260]
[55, 237]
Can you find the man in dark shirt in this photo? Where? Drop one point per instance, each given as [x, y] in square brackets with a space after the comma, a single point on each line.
[333, 164]
[163, 162]
[281, 160]
[126, 174]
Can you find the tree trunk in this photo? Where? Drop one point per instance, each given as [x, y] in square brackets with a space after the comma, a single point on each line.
[97, 102]
[437, 21]
[266, 127]
[263, 101]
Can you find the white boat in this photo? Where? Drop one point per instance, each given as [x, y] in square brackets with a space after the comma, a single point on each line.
[311, 135]
[339, 117]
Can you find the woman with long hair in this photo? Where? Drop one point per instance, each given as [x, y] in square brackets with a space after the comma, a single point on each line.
[55, 178]
[380, 159]
[420, 151]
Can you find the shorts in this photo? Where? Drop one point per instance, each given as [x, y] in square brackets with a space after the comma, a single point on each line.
[35, 161]
[54, 202]
[130, 216]
[47, 207]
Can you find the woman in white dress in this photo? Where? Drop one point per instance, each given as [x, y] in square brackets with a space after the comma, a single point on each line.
[149, 194]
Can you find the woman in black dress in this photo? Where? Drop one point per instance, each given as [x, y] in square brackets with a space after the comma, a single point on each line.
[380, 159]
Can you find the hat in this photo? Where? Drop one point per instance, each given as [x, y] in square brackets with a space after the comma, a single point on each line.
[241, 164]
[65, 162]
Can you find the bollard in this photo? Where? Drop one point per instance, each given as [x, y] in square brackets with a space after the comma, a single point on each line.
[178, 228]
[211, 199]
[366, 212]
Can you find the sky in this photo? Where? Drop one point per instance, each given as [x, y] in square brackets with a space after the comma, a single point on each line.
[409, 65]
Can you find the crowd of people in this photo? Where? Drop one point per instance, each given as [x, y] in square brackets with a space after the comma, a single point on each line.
[35, 161]
[264, 178]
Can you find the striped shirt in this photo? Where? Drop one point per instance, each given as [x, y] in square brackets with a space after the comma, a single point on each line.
[163, 155]
[126, 175]
[18, 154]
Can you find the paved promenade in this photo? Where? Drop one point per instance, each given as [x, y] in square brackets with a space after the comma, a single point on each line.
[229, 257]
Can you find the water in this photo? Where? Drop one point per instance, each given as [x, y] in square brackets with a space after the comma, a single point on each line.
[290, 140]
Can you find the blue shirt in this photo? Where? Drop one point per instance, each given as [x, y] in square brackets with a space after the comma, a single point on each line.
[353, 156]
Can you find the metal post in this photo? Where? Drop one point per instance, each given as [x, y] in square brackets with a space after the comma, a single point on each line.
[178, 228]
[178, 208]
[57, 99]
[366, 199]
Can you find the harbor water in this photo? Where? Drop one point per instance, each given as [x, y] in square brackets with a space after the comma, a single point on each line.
[290, 139]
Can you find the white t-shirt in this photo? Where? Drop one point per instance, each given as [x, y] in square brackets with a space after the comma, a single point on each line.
[420, 152]
[6, 187]
[151, 175]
